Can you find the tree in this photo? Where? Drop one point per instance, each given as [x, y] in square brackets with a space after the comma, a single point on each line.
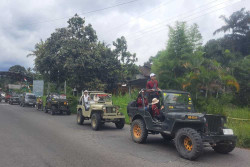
[74, 54]
[126, 58]
[17, 69]
[237, 23]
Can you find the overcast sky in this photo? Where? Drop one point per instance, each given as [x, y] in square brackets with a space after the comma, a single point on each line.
[142, 22]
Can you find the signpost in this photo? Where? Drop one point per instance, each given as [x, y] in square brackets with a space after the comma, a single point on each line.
[38, 87]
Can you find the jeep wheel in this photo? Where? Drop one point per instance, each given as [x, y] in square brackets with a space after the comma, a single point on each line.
[188, 143]
[79, 117]
[166, 137]
[95, 121]
[224, 147]
[53, 108]
[45, 110]
[138, 131]
[120, 123]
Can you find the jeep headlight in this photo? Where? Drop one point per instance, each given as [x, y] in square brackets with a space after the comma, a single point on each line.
[104, 109]
[114, 109]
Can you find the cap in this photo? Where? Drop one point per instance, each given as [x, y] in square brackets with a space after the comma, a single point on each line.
[152, 74]
[85, 91]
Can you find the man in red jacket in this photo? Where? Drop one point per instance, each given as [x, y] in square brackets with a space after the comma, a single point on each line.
[152, 83]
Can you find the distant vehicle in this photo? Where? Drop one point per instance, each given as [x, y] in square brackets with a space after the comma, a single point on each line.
[14, 99]
[190, 130]
[28, 99]
[56, 103]
[100, 110]
[7, 98]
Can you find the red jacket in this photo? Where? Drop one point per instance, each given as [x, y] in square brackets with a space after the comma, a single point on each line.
[140, 103]
[155, 110]
[152, 84]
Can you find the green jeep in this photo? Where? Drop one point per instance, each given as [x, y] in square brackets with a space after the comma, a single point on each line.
[56, 103]
[191, 131]
[99, 109]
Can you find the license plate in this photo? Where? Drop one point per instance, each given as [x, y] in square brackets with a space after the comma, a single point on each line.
[228, 132]
[31, 103]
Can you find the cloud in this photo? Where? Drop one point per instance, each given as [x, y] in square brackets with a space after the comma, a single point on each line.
[143, 23]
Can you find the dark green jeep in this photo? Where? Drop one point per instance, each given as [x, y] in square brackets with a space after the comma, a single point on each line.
[56, 103]
[190, 130]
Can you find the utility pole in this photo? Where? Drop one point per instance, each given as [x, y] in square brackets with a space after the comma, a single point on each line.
[65, 84]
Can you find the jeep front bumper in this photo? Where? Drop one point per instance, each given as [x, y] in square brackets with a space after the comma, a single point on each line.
[219, 138]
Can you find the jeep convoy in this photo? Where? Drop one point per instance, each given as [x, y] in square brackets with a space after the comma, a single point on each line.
[191, 131]
[99, 109]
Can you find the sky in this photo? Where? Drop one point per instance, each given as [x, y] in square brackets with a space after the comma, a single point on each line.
[144, 23]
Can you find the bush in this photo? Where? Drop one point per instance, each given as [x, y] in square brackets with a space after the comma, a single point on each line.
[122, 101]
[73, 101]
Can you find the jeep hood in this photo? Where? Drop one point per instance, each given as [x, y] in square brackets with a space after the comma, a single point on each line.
[183, 115]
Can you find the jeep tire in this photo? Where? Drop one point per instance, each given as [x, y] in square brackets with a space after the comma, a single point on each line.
[53, 109]
[120, 123]
[225, 147]
[188, 143]
[138, 131]
[95, 121]
[79, 117]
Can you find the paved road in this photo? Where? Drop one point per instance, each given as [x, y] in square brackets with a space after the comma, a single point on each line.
[30, 138]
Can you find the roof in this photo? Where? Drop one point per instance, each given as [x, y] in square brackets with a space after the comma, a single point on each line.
[145, 70]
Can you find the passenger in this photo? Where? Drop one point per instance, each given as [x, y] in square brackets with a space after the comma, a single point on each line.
[140, 101]
[157, 113]
[86, 100]
[153, 83]
[86, 97]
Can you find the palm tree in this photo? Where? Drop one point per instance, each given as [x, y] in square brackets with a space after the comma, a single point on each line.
[238, 23]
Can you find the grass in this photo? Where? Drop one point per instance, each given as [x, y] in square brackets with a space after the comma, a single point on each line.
[123, 101]
[241, 128]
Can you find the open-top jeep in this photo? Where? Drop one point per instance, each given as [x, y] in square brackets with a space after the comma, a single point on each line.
[190, 130]
[56, 103]
[100, 110]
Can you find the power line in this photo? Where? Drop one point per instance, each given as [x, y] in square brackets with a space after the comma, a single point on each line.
[139, 16]
[191, 19]
[173, 18]
[84, 13]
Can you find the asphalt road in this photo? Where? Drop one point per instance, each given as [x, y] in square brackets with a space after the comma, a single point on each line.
[31, 138]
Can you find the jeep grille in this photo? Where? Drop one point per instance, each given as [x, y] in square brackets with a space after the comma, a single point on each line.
[214, 123]
[110, 110]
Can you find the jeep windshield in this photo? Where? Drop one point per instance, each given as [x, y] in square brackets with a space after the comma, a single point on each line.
[30, 97]
[55, 96]
[177, 98]
[101, 97]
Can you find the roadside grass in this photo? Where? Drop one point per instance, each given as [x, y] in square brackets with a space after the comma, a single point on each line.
[240, 127]
[122, 101]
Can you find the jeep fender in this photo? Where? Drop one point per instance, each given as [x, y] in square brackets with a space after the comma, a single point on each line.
[178, 124]
[138, 116]
[96, 111]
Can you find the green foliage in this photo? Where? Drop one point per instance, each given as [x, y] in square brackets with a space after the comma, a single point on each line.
[73, 101]
[74, 54]
[17, 69]
[241, 127]
[122, 101]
